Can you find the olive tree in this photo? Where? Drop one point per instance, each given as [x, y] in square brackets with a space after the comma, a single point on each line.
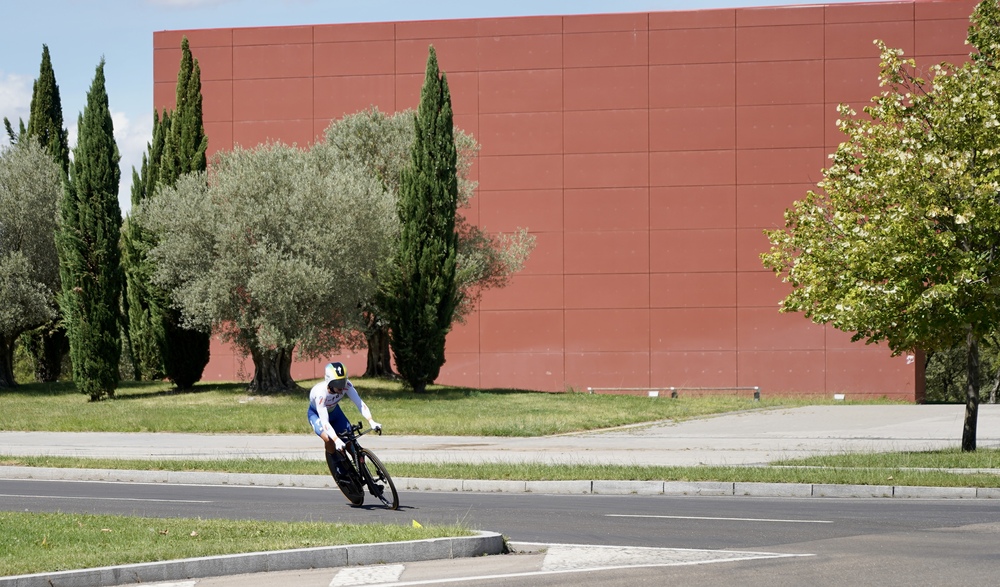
[901, 244]
[382, 144]
[270, 252]
[30, 188]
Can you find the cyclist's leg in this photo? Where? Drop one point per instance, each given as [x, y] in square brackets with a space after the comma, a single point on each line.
[314, 421]
[340, 424]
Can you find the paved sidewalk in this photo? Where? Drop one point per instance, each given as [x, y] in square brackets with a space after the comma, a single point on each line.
[747, 438]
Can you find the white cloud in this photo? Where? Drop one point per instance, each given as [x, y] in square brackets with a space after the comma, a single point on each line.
[131, 137]
[15, 100]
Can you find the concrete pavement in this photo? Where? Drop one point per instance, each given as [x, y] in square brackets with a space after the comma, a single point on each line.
[745, 438]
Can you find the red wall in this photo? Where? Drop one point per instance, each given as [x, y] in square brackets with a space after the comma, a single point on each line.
[646, 152]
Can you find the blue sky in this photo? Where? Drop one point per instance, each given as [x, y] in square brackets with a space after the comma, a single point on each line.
[80, 32]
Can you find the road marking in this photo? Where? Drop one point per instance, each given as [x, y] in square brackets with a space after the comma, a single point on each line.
[573, 558]
[721, 519]
[367, 575]
[175, 584]
[105, 498]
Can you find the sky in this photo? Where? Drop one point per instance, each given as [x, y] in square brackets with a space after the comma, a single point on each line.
[80, 32]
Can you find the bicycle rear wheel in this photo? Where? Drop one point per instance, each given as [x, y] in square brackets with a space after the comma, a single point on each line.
[349, 485]
[382, 486]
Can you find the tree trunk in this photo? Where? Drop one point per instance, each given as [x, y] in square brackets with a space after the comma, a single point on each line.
[971, 394]
[48, 345]
[272, 371]
[7, 363]
[379, 355]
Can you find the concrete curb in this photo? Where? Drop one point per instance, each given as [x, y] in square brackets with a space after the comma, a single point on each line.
[259, 562]
[596, 487]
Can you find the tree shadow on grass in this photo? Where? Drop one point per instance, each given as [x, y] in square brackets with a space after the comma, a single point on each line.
[140, 390]
[137, 390]
[126, 390]
[377, 389]
[58, 388]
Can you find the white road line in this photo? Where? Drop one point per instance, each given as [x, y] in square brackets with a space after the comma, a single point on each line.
[720, 519]
[367, 575]
[105, 498]
[572, 558]
[567, 571]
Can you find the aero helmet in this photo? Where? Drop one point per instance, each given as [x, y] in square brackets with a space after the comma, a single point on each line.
[336, 376]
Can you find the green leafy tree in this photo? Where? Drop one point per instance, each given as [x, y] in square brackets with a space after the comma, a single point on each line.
[87, 240]
[272, 253]
[421, 292]
[48, 343]
[382, 144]
[30, 187]
[146, 306]
[902, 243]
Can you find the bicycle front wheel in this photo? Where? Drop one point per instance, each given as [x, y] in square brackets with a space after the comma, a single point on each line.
[381, 486]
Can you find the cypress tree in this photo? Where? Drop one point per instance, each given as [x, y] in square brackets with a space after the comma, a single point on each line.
[46, 119]
[48, 344]
[87, 241]
[145, 305]
[186, 143]
[12, 134]
[184, 352]
[422, 293]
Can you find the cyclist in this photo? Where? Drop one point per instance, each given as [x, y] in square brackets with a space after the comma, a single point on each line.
[325, 415]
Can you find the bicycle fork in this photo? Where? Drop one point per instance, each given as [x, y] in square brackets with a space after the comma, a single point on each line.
[366, 477]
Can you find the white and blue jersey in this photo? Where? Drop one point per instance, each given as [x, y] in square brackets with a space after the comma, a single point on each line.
[324, 411]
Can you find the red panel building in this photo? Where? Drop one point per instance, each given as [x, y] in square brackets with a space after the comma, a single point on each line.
[646, 152]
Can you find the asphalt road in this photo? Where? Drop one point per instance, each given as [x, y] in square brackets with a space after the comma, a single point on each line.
[846, 541]
[635, 540]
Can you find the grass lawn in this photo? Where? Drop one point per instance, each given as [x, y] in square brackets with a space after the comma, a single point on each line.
[950, 468]
[43, 542]
[226, 408]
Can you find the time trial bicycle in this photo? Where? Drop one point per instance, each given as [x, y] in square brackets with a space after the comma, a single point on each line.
[358, 469]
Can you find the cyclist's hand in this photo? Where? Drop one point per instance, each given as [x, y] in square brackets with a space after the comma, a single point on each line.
[375, 425]
[334, 443]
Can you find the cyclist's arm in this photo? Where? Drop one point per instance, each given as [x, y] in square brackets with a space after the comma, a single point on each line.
[362, 406]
